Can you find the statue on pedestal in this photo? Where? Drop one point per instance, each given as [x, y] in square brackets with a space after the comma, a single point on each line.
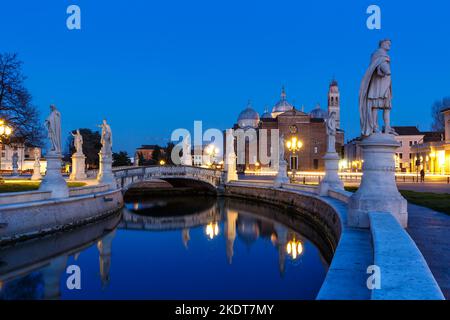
[282, 166]
[378, 190]
[105, 174]
[331, 132]
[106, 138]
[37, 165]
[78, 142]
[331, 159]
[53, 125]
[53, 180]
[375, 92]
[78, 158]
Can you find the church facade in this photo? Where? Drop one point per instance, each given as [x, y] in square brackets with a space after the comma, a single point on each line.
[295, 126]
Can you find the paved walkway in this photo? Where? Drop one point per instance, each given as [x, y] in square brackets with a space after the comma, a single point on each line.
[430, 230]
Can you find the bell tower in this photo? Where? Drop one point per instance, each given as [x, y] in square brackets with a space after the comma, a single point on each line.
[334, 101]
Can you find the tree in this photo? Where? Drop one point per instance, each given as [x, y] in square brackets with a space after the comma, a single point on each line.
[140, 159]
[438, 118]
[121, 158]
[156, 155]
[16, 107]
[168, 153]
[91, 146]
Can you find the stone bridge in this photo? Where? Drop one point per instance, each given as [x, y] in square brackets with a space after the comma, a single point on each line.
[175, 175]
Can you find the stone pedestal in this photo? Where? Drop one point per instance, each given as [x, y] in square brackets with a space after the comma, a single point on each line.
[78, 167]
[331, 179]
[36, 171]
[282, 176]
[105, 174]
[53, 180]
[378, 190]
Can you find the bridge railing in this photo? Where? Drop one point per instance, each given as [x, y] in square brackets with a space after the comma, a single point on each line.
[128, 175]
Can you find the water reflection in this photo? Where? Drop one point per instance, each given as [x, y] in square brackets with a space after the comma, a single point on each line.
[148, 263]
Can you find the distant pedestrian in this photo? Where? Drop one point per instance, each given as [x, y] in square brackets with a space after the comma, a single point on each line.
[422, 175]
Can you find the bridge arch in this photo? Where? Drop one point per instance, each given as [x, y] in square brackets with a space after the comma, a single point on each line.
[175, 175]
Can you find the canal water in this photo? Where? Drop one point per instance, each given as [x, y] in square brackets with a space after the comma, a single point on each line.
[174, 248]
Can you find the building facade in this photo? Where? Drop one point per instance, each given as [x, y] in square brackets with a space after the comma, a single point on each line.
[433, 155]
[414, 145]
[293, 125]
[25, 156]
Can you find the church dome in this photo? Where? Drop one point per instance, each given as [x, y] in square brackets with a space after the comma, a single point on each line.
[283, 105]
[318, 113]
[248, 118]
[266, 115]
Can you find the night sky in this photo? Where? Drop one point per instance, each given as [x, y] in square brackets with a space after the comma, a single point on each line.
[153, 66]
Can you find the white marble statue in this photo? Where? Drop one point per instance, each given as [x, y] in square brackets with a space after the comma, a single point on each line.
[331, 131]
[281, 148]
[376, 91]
[37, 165]
[53, 125]
[15, 163]
[37, 155]
[78, 142]
[106, 139]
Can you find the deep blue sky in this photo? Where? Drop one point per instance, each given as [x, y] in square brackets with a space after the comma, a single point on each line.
[152, 66]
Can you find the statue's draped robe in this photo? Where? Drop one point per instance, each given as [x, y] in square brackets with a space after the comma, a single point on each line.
[54, 130]
[375, 90]
[106, 138]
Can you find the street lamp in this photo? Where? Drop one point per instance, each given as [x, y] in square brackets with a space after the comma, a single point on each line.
[5, 132]
[293, 146]
[212, 230]
[294, 248]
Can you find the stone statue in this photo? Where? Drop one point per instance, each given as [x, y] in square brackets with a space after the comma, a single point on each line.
[376, 91]
[37, 165]
[53, 125]
[106, 139]
[331, 131]
[15, 162]
[281, 148]
[78, 142]
[37, 155]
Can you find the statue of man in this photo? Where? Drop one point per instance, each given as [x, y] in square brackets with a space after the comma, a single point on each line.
[78, 142]
[53, 125]
[106, 139]
[376, 91]
[331, 131]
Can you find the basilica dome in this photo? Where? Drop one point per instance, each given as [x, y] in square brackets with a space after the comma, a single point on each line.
[318, 113]
[266, 115]
[281, 106]
[248, 118]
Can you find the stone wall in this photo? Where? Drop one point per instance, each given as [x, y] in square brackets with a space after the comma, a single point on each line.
[30, 219]
[306, 204]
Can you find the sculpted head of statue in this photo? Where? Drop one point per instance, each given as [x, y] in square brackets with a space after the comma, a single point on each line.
[385, 44]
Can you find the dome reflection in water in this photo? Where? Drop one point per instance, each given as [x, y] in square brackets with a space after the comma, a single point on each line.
[175, 248]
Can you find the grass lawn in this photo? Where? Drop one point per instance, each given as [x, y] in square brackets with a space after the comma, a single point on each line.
[23, 185]
[436, 201]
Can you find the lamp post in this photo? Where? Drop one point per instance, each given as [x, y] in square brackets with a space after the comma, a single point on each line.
[5, 132]
[293, 146]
